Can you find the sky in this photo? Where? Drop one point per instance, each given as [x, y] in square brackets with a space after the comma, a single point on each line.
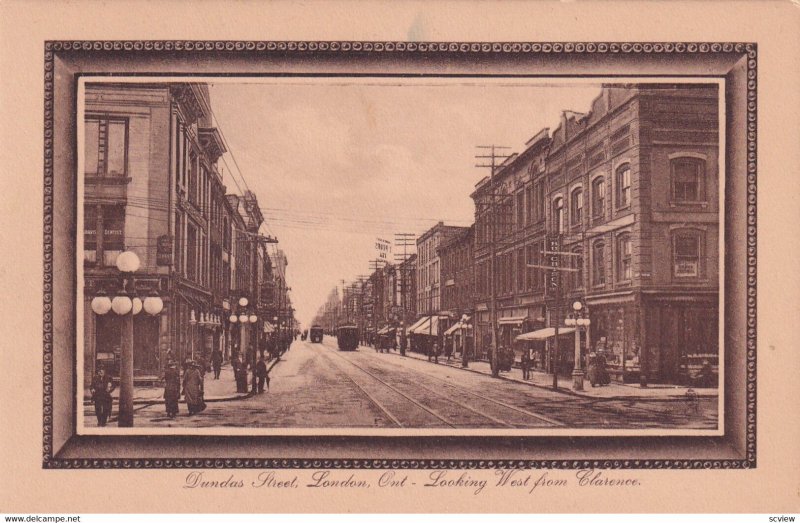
[337, 163]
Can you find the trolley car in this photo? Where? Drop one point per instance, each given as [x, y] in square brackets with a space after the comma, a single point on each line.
[348, 337]
[316, 334]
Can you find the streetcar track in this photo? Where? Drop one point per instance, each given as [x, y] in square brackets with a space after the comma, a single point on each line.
[540, 417]
[387, 385]
[375, 401]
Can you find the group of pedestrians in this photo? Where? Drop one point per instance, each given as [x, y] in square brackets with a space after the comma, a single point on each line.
[259, 370]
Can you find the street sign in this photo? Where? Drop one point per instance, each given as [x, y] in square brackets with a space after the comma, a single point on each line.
[553, 281]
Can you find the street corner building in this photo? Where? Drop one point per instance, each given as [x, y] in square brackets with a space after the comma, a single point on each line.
[152, 186]
[631, 189]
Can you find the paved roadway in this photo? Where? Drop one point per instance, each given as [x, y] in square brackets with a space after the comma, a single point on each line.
[315, 385]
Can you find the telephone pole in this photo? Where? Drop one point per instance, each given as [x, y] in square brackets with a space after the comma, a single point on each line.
[404, 240]
[493, 158]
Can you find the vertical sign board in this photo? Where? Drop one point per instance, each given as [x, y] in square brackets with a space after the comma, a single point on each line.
[164, 250]
[383, 249]
[553, 247]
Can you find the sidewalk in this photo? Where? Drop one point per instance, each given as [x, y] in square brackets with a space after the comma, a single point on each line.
[223, 389]
[543, 380]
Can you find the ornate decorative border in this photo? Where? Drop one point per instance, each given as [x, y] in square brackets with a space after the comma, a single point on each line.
[338, 47]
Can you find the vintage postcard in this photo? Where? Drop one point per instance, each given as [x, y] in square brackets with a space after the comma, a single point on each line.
[469, 264]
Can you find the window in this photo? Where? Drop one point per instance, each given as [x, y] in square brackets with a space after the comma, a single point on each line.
[598, 263]
[106, 221]
[624, 258]
[521, 269]
[558, 215]
[624, 185]
[686, 254]
[529, 202]
[687, 179]
[105, 146]
[576, 209]
[577, 263]
[191, 252]
[192, 173]
[520, 209]
[598, 197]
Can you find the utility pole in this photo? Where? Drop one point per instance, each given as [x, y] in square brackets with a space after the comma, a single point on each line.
[555, 267]
[404, 240]
[375, 266]
[493, 156]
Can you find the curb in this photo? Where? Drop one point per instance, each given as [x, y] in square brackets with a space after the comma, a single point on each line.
[160, 401]
[672, 397]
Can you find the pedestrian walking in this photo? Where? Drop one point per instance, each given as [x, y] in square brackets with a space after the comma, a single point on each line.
[261, 373]
[101, 388]
[602, 372]
[172, 389]
[448, 350]
[240, 373]
[216, 362]
[525, 363]
[436, 352]
[193, 388]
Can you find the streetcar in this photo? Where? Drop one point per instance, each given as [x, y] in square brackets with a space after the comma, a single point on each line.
[316, 334]
[348, 337]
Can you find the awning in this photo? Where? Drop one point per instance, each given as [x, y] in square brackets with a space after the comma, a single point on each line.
[453, 329]
[543, 334]
[416, 324]
[268, 327]
[419, 327]
[512, 320]
[386, 330]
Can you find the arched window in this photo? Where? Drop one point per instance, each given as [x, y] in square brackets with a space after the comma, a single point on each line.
[598, 197]
[598, 263]
[558, 215]
[687, 179]
[623, 185]
[624, 258]
[576, 207]
[687, 253]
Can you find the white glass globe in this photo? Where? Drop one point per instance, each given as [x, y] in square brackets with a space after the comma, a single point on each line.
[233, 318]
[577, 305]
[101, 305]
[121, 305]
[153, 305]
[253, 318]
[137, 305]
[243, 302]
[243, 318]
[128, 262]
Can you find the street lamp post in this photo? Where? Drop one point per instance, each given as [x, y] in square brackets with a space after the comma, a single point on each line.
[579, 318]
[126, 305]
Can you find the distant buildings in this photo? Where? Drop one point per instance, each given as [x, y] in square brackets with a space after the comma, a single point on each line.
[631, 190]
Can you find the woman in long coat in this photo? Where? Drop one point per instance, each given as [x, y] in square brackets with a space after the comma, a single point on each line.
[172, 389]
[193, 389]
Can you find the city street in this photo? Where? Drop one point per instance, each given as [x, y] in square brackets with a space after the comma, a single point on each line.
[317, 386]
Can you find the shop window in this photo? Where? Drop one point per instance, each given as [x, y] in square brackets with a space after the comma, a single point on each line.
[686, 248]
[624, 258]
[623, 186]
[191, 252]
[105, 146]
[576, 210]
[598, 197]
[688, 179]
[598, 263]
[558, 215]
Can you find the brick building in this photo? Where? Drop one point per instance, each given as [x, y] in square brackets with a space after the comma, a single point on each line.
[632, 188]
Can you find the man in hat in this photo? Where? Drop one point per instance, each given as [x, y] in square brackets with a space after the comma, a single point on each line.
[172, 389]
[101, 389]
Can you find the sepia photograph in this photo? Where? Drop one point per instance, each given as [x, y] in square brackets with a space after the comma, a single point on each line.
[527, 259]
[382, 256]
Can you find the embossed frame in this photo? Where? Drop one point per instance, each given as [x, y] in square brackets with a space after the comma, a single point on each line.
[66, 61]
